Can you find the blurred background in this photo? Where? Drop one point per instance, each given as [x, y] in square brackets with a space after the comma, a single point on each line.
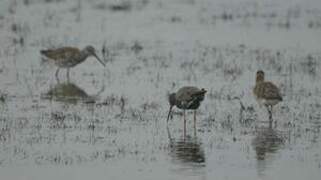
[110, 122]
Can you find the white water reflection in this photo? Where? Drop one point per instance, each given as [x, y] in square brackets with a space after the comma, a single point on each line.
[187, 155]
[266, 143]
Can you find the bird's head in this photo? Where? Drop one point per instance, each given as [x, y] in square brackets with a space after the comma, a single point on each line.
[259, 76]
[172, 99]
[203, 90]
[172, 102]
[90, 50]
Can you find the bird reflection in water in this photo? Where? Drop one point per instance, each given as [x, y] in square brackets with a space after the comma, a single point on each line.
[266, 143]
[187, 151]
[68, 93]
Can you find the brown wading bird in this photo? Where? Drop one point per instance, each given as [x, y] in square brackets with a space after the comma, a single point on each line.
[68, 57]
[188, 97]
[266, 92]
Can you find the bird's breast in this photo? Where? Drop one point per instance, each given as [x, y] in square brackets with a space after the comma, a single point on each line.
[189, 105]
[270, 102]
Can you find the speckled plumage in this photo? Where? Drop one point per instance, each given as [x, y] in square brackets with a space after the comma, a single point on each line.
[67, 57]
[64, 57]
[266, 92]
[189, 97]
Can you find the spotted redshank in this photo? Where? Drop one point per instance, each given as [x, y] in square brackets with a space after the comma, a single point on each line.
[68, 57]
[188, 97]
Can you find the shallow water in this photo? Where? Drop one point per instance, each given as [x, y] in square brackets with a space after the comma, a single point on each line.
[111, 122]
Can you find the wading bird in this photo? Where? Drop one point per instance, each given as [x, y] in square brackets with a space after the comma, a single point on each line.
[266, 92]
[68, 57]
[188, 97]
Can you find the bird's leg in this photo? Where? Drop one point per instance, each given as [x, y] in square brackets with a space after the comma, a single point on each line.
[169, 113]
[195, 122]
[184, 116]
[56, 74]
[57, 71]
[194, 119]
[275, 122]
[68, 74]
[270, 123]
[270, 113]
[184, 123]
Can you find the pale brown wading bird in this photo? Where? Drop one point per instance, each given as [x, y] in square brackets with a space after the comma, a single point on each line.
[266, 92]
[68, 57]
[188, 97]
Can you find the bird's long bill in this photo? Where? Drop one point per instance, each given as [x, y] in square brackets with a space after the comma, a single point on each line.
[169, 112]
[101, 62]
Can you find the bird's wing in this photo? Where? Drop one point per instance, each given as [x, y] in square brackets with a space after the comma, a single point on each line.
[271, 91]
[187, 93]
[60, 53]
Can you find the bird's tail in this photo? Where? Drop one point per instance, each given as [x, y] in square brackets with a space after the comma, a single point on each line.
[280, 98]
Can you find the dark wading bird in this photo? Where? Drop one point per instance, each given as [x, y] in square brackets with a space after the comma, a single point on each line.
[266, 92]
[185, 98]
[68, 57]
